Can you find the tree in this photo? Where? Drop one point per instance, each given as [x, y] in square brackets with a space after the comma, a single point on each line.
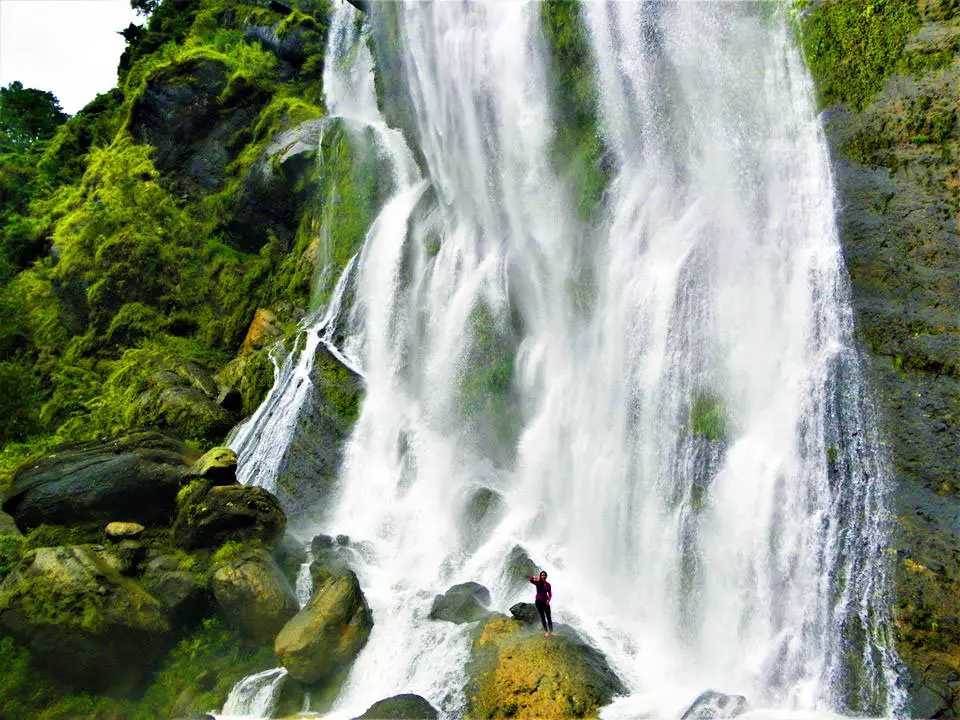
[144, 7]
[27, 117]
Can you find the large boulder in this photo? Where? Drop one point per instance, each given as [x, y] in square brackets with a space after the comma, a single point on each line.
[525, 613]
[135, 478]
[462, 603]
[82, 621]
[211, 515]
[218, 465]
[328, 633]
[516, 672]
[713, 705]
[254, 596]
[401, 707]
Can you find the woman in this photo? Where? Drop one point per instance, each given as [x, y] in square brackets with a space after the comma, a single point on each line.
[544, 595]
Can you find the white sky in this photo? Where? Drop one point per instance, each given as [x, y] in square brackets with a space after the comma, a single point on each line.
[69, 47]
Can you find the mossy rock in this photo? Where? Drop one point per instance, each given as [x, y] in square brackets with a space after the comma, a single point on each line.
[254, 596]
[210, 515]
[83, 621]
[516, 672]
[326, 635]
[463, 603]
[400, 707]
[219, 466]
[135, 478]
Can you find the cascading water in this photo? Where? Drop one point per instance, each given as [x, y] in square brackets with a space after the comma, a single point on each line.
[666, 400]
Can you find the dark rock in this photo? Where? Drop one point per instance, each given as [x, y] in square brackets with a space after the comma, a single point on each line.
[326, 635]
[185, 599]
[462, 603]
[254, 596]
[136, 477]
[212, 516]
[484, 510]
[82, 621]
[193, 124]
[526, 613]
[515, 670]
[400, 707]
[308, 471]
[130, 554]
[931, 700]
[712, 705]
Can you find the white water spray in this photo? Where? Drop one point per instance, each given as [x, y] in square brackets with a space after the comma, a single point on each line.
[684, 440]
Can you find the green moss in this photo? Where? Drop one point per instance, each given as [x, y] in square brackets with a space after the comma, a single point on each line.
[58, 535]
[852, 46]
[578, 149]
[485, 395]
[340, 389]
[200, 671]
[707, 417]
[11, 547]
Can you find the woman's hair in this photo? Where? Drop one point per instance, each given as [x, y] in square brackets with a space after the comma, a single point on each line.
[543, 573]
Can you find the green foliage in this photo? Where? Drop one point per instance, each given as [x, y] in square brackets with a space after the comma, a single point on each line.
[853, 45]
[11, 547]
[578, 149]
[707, 417]
[200, 671]
[21, 402]
[27, 117]
[57, 535]
[339, 388]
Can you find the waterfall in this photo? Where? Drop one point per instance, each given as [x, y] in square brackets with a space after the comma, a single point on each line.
[665, 396]
[254, 696]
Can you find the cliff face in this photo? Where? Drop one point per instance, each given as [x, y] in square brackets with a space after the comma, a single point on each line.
[888, 74]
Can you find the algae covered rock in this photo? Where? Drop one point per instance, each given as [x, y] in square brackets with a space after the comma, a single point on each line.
[400, 707]
[81, 620]
[210, 516]
[254, 595]
[328, 632]
[119, 531]
[516, 672]
[462, 603]
[218, 465]
[135, 477]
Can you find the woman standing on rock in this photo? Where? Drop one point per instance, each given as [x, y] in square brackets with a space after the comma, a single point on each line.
[544, 595]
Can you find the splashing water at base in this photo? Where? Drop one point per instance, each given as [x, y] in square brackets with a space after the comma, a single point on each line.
[666, 397]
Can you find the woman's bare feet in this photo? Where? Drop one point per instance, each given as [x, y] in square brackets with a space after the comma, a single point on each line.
[546, 634]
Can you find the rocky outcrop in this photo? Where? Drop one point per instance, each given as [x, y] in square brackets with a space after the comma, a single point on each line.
[328, 632]
[400, 707]
[516, 672]
[713, 705]
[254, 596]
[466, 602]
[81, 620]
[211, 515]
[895, 167]
[136, 478]
[119, 531]
[310, 465]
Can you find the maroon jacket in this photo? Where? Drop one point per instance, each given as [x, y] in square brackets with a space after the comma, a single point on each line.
[544, 592]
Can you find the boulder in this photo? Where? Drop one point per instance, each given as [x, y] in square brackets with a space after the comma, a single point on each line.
[185, 598]
[713, 705]
[263, 330]
[135, 477]
[328, 632]
[210, 516]
[118, 531]
[254, 596]
[218, 465]
[82, 621]
[485, 508]
[400, 707]
[516, 672]
[462, 603]
[525, 613]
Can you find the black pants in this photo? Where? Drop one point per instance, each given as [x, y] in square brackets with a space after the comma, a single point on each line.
[544, 609]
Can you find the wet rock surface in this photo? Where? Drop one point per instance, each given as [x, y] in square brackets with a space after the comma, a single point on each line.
[254, 595]
[713, 705]
[462, 603]
[135, 477]
[209, 516]
[400, 707]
